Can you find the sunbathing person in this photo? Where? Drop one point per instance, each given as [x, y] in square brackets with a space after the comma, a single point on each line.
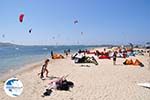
[54, 83]
[58, 84]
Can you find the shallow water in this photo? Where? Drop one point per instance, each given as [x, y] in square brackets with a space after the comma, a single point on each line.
[14, 57]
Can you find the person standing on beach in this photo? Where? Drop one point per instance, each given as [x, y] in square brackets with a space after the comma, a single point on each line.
[44, 69]
[52, 54]
[69, 51]
[66, 52]
[114, 58]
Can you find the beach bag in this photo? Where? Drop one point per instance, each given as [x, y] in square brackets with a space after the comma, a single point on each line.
[48, 92]
[63, 86]
[70, 84]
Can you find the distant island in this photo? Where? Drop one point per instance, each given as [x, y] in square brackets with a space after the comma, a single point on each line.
[7, 44]
[146, 45]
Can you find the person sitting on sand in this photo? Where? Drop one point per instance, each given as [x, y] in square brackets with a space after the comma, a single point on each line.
[44, 69]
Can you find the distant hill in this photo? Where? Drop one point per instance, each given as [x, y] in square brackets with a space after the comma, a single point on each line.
[6, 44]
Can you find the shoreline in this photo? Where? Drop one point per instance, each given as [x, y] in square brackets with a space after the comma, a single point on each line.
[32, 65]
[24, 68]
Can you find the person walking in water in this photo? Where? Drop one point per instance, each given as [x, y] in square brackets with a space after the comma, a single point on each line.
[114, 58]
[44, 69]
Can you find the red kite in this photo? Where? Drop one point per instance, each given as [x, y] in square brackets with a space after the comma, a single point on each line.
[21, 17]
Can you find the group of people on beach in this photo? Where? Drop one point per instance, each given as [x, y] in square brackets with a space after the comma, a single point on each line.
[60, 83]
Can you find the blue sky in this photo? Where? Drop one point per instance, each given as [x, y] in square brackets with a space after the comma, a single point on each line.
[101, 21]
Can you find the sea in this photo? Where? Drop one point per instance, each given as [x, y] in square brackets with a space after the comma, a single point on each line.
[16, 56]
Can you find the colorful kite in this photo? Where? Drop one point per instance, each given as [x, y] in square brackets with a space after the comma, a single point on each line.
[21, 17]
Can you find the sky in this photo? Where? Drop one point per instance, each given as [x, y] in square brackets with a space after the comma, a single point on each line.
[52, 22]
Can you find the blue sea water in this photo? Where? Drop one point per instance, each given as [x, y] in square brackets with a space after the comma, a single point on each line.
[14, 57]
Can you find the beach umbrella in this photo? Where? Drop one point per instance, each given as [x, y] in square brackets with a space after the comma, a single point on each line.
[21, 16]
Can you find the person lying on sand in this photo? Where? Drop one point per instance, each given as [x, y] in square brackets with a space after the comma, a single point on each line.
[53, 83]
[59, 84]
[44, 69]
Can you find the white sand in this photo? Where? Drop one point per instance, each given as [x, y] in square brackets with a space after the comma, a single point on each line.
[102, 82]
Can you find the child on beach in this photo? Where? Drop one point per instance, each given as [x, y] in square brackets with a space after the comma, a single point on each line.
[44, 69]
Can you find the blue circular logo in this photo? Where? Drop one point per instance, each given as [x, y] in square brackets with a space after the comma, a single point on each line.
[13, 87]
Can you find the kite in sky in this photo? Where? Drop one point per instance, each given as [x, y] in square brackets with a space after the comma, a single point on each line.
[76, 21]
[30, 30]
[21, 17]
[3, 35]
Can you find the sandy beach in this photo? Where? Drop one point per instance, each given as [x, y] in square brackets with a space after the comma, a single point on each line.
[103, 82]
